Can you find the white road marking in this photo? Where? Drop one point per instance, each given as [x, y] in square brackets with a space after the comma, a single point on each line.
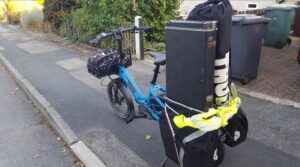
[272, 99]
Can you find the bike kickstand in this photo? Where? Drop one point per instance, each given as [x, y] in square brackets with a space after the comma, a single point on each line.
[130, 119]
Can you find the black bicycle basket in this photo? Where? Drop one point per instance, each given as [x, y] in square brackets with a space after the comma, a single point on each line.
[107, 61]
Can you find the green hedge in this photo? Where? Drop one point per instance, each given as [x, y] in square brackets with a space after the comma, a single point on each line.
[155, 14]
[95, 16]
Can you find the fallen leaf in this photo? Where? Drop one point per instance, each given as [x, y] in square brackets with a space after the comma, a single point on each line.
[148, 137]
[35, 109]
[66, 151]
[58, 138]
[35, 156]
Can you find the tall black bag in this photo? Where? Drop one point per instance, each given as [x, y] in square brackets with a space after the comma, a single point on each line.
[221, 11]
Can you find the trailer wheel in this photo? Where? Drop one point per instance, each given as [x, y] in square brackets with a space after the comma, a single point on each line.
[219, 154]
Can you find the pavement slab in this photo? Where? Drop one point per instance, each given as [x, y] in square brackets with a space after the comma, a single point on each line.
[111, 150]
[16, 35]
[72, 64]
[36, 47]
[83, 104]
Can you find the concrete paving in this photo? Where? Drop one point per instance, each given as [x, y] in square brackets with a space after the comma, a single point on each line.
[81, 100]
[36, 47]
[278, 72]
[15, 36]
[25, 139]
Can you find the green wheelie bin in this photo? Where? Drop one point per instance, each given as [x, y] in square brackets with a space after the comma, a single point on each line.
[279, 28]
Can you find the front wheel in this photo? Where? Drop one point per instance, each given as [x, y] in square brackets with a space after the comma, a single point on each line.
[120, 99]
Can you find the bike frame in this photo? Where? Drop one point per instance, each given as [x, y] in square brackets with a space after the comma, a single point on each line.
[140, 98]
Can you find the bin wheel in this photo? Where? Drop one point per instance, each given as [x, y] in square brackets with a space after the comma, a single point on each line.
[219, 154]
[245, 79]
[279, 45]
[289, 41]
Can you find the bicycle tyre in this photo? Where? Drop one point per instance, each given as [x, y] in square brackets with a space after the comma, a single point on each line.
[118, 95]
[220, 154]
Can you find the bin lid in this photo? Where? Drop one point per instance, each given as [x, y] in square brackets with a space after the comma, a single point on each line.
[282, 7]
[249, 19]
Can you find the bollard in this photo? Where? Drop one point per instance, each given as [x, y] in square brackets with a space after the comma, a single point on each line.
[139, 39]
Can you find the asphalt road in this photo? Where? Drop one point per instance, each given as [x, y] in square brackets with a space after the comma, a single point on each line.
[25, 139]
[60, 75]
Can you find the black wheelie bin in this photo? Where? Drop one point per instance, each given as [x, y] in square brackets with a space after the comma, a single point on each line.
[246, 43]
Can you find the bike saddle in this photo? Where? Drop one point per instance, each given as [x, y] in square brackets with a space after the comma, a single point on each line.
[160, 59]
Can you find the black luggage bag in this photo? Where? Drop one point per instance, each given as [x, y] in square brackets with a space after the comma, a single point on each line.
[194, 148]
[190, 69]
[192, 47]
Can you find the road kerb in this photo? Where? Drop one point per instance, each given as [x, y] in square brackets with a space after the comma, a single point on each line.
[54, 118]
[86, 155]
[61, 126]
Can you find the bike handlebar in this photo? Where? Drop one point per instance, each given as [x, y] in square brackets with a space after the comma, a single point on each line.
[117, 33]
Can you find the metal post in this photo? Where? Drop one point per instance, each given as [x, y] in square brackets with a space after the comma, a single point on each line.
[139, 39]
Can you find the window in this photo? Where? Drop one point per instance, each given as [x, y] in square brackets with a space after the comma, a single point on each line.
[252, 6]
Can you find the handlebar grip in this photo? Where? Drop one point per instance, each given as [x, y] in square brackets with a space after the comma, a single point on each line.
[143, 28]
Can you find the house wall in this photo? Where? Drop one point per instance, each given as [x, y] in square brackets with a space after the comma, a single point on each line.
[240, 5]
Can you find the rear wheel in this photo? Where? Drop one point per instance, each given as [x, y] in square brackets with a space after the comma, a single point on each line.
[120, 99]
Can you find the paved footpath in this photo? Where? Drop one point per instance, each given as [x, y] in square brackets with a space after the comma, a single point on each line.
[24, 135]
[60, 75]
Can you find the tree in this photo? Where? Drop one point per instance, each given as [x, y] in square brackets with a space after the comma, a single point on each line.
[97, 16]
